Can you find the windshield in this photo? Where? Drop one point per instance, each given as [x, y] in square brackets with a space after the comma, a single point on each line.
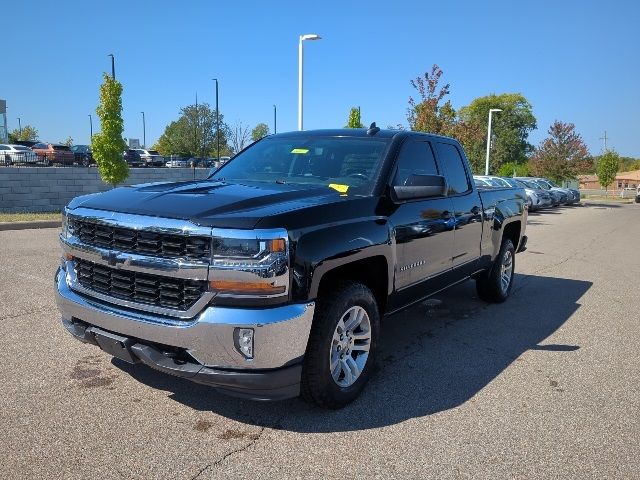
[343, 163]
[511, 182]
[153, 152]
[500, 182]
[537, 185]
[491, 182]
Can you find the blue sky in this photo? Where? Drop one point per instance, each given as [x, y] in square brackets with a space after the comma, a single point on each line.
[576, 61]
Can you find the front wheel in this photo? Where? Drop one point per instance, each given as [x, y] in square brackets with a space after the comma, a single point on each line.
[342, 346]
[495, 286]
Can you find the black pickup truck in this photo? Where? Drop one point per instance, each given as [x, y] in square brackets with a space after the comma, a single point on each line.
[269, 279]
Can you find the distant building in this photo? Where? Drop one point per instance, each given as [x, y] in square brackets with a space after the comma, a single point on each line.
[623, 180]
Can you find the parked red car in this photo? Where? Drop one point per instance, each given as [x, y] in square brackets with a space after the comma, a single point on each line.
[53, 153]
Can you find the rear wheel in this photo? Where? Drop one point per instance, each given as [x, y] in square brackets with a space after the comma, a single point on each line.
[495, 285]
[342, 346]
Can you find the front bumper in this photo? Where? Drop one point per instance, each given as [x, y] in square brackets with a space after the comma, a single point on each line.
[204, 345]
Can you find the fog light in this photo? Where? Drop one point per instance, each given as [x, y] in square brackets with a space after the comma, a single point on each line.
[244, 341]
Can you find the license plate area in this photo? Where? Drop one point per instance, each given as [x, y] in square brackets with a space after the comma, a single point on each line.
[116, 345]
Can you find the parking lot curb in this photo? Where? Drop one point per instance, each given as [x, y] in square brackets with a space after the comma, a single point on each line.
[29, 225]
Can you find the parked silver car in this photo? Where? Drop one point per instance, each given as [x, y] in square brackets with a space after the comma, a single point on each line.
[572, 194]
[11, 154]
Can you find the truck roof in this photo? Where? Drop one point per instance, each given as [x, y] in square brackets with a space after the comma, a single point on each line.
[355, 132]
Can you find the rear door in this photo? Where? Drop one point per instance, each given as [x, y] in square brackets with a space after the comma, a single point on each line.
[423, 228]
[467, 206]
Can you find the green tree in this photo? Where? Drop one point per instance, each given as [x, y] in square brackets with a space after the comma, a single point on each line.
[512, 169]
[354, 120]
[607, 169]
[107, 145]
[562, 155]
[68, 142]
[28, 133]
[427, 114]
[510, 129]
[261, 130]
[194, 133]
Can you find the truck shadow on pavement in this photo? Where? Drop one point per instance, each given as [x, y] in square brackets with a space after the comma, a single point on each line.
[434, 357]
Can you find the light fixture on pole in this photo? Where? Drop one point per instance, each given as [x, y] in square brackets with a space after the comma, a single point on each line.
[217, 122]
[144, 131]
[486, 167]
[308, 36]
[90, 129]
[113, 66]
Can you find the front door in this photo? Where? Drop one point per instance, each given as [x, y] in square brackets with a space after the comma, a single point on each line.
[424, 229]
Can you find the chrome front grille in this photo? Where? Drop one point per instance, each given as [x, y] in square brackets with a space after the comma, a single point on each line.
[143, 242]
[156, 290]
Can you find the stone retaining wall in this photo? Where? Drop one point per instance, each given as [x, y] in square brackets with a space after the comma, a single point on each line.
[49, 189]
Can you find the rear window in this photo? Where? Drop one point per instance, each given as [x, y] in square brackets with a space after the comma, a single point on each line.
[21, 148]
[153, 152]
[61, 147]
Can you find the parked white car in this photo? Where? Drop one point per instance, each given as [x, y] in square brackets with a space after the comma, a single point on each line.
[16, 154]
[176, 163]
[150, 158]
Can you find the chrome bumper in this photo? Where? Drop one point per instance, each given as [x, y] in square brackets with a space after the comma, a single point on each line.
[280, 338]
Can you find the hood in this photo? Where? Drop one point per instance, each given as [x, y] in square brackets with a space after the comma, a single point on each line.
[210, 203]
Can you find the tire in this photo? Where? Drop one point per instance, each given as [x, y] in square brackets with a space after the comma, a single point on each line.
[495, 286]
[335, 309]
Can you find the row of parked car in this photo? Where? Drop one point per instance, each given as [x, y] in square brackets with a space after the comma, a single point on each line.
[541, 192]
[46, 154]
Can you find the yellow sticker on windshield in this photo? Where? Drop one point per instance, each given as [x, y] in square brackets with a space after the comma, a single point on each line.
[339, 187]
[300, 150]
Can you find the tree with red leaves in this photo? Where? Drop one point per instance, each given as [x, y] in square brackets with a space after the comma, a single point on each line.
[562, 155]
[427, 115]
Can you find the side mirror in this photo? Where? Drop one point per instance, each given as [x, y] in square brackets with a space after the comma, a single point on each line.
[421, 186]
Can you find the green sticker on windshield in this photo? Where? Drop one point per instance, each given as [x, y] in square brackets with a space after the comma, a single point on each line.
[300, 150]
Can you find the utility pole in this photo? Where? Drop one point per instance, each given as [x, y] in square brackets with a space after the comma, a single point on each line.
[90, 129]
[144, 131]
[217, 122]
[275, 120]
[486, 168]
[197, 125]
[605, 138]
[20, 127]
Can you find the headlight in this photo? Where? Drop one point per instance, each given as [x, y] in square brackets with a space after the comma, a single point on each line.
[249, 263]
[65, 224]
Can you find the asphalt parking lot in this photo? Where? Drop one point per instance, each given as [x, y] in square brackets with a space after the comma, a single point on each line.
[543, 386]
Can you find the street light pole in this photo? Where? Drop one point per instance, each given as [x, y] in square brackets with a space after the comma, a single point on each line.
[19, 126]
[217, 122]
[486, 167]
[275, 120]
[90, 129]
[309, 36]
[144, 132]
[113, 66]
